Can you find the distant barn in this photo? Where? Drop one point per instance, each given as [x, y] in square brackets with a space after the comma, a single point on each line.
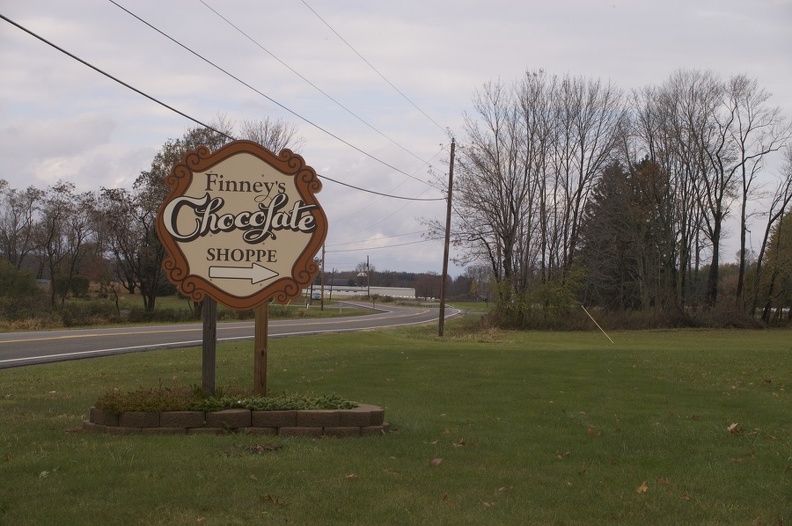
[347, 291]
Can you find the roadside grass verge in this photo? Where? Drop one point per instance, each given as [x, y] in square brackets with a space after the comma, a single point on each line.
[662, 427]
[169, 309]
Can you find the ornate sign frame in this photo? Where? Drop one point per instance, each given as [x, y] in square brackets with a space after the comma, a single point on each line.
[241, 225]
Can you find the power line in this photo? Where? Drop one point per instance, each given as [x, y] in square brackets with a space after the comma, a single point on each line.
[373, 202]
[379, 248]
[317, 88]
[380, 238]
[181, 113]
[111, 77]
[380, 193]
[305, 119]
[444, 130]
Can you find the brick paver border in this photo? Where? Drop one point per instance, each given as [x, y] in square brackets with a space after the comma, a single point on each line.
[364, 420]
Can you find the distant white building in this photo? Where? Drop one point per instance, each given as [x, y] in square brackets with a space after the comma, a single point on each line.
[347, 291]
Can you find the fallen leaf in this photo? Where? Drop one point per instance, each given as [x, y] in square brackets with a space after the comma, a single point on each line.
[394, 473]
[735, 429]
[449, 501]
[446, 432]
[643, 488]
[352, 477]
[275, 501]
[504, 488]
[436, 461]
[685, 496]
[737, 460]
[663, 481]
[488, 504]
[592, 432]
[561, 455]
[459, 443]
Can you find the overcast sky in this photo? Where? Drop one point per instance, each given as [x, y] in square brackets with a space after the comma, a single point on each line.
[60, 120]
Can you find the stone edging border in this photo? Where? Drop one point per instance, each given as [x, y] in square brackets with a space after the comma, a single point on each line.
[364, 420]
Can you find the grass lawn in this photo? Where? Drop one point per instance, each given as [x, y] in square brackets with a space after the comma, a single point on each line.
[662, 427]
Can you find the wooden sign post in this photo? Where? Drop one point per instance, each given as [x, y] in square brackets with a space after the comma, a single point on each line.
[260, 351]
[242, 226]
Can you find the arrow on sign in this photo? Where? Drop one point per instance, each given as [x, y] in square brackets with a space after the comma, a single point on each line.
[255, 274]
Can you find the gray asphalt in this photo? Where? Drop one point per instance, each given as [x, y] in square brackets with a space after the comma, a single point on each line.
[29, 348]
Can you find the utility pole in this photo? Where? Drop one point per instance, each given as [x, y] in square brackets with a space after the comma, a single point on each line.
[368, 277]
[447, 247]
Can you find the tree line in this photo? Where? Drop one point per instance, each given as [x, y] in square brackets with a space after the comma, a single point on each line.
[108, 236]
[570, 190]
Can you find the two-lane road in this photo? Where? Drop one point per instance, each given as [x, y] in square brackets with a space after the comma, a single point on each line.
[28, 348]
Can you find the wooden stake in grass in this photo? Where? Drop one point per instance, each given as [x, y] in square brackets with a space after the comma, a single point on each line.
[595, 322]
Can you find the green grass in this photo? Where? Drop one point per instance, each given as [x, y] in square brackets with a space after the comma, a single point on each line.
[530, 428]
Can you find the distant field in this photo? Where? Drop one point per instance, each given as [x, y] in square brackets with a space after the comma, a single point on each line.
[661, 428]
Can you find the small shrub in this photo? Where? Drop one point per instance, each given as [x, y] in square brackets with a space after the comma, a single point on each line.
[140, 315]
[182, 398]
[152, 400]
[97, 312]
[229, 314]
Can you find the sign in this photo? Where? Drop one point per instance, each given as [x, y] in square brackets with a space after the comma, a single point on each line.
[241, 225]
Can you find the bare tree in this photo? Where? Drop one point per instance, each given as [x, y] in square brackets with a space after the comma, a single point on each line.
[530, 157]
[18, 209]
[589, 123]
[493, 184]
[61, 233]
[756, 130]
[779, 205]
[273, 135]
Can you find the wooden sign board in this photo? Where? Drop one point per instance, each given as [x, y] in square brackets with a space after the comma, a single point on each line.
[242, 225]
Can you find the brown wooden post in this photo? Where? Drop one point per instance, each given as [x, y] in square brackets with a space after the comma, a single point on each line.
[260, 350]
[209, 345]
[446, 249]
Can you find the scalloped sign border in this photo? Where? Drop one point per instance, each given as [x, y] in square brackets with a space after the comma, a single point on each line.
[238, 211]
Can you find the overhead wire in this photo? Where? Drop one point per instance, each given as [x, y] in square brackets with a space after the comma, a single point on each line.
[313, 85]
[209, 127]
[366, 249]
[381, 238]
[381, 193]
[444, 130]
[111, 77]
[317, 88]
[326, 23]
[282, 106]
[181, 113]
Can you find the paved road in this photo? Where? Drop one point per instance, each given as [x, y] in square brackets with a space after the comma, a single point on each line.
[28, 348]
